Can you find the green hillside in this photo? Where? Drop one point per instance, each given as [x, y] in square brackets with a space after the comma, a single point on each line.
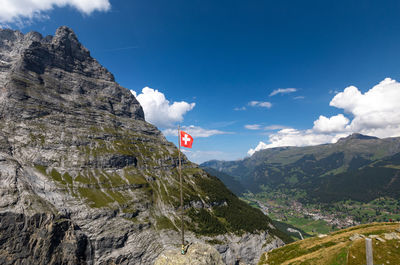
[321, 188]
[229, 181]
[343, 247]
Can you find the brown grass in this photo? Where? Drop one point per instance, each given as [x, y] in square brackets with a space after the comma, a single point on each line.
[338, 249]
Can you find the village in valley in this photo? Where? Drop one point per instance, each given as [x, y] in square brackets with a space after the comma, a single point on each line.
[316, 219]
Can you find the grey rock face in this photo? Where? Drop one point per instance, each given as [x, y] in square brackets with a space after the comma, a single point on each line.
[84, 179]
[247, 248]
[197, 254]
[41, 239]
[234, 249]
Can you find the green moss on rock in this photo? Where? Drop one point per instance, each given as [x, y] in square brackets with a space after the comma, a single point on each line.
[95, 198]
[163, 222]
[55, 175]
[67, 177]
[42, 169]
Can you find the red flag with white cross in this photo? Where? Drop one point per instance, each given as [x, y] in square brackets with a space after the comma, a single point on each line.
[186, 140]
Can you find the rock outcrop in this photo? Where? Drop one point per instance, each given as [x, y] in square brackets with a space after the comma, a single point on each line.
[41, 239]
[196, 254]
[86, 180]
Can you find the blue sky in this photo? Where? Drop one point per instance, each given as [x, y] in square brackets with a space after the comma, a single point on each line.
[227, 57]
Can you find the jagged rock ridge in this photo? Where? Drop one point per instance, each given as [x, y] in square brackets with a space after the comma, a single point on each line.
[87, 179]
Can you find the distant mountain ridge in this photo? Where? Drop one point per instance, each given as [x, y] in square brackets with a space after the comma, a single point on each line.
[234, 185]
[358, 136]
[357, 167]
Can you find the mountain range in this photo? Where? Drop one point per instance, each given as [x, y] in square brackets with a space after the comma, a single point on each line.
[358, 167]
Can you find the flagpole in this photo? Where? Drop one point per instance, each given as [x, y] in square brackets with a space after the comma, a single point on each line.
[180, 179]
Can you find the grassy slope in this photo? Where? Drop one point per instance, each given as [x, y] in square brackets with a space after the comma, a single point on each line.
[308, 225]
[283, 226]
[337, 248]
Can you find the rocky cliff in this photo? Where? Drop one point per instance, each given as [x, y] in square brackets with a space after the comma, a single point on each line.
[84, 179]
[196, 254]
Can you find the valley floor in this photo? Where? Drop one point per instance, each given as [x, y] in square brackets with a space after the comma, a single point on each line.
[312, 219]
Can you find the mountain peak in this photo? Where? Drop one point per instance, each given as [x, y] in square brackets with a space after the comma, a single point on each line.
[63, 31]
[66, 38]
[358, 136]
[68, 77]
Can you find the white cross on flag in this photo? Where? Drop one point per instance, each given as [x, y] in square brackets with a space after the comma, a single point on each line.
[186, 139]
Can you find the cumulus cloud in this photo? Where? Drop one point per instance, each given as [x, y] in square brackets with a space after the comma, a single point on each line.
[282, 91]
[15, 11]
[375, 112]
[194, 131]
[333, 124]
[263, 104]
[158, 110]
[253, 126]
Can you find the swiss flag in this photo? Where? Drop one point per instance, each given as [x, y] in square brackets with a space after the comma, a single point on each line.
[186, 139]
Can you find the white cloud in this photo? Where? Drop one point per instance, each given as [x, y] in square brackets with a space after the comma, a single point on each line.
[266, 128]
[274, 127]
[375, 113]
[282, 91]
[158, 110]
[299, 97]
[333, 91]
[15, 11]
[293, 137]
[262, 104]
[253, 126]
[239, 109]
[254, 103]
[333, 124]
[194, 131]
